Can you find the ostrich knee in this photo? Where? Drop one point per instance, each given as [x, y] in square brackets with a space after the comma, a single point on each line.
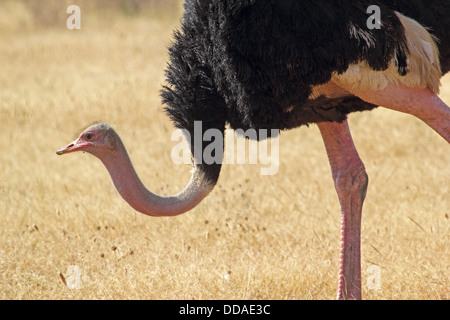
[352, 181]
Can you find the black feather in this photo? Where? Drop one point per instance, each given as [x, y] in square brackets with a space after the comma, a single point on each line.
[253, 63]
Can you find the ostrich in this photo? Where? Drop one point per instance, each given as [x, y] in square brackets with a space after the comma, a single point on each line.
[267, 64]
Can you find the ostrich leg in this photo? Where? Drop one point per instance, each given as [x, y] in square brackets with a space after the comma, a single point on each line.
[421, 103]
[350, 180]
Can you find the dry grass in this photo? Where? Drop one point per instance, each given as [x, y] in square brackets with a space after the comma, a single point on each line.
[255, 237]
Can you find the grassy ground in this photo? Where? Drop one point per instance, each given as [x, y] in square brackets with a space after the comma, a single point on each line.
[254, 237]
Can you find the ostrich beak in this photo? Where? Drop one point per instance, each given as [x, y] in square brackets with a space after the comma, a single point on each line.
[74, 146]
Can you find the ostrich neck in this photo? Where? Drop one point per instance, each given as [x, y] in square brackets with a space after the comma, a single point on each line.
[140, 198]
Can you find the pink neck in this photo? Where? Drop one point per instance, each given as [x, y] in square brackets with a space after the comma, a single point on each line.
[140, 198]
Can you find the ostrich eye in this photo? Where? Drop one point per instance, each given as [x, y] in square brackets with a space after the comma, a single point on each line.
[89, 136]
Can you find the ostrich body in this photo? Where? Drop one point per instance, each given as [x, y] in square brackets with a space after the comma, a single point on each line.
[282, 64]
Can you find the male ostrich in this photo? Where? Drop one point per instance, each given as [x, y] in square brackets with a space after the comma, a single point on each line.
[280, 64]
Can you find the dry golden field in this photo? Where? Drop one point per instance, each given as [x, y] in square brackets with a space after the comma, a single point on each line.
[254, 237]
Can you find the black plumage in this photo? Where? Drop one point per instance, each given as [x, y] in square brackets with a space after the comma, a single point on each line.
[253, 63]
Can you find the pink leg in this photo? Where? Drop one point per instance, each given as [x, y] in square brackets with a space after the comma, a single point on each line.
[421, 103]
[350, 180]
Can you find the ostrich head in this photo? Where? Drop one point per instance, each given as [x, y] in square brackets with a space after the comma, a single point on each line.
[96, 139]
[103, 142]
